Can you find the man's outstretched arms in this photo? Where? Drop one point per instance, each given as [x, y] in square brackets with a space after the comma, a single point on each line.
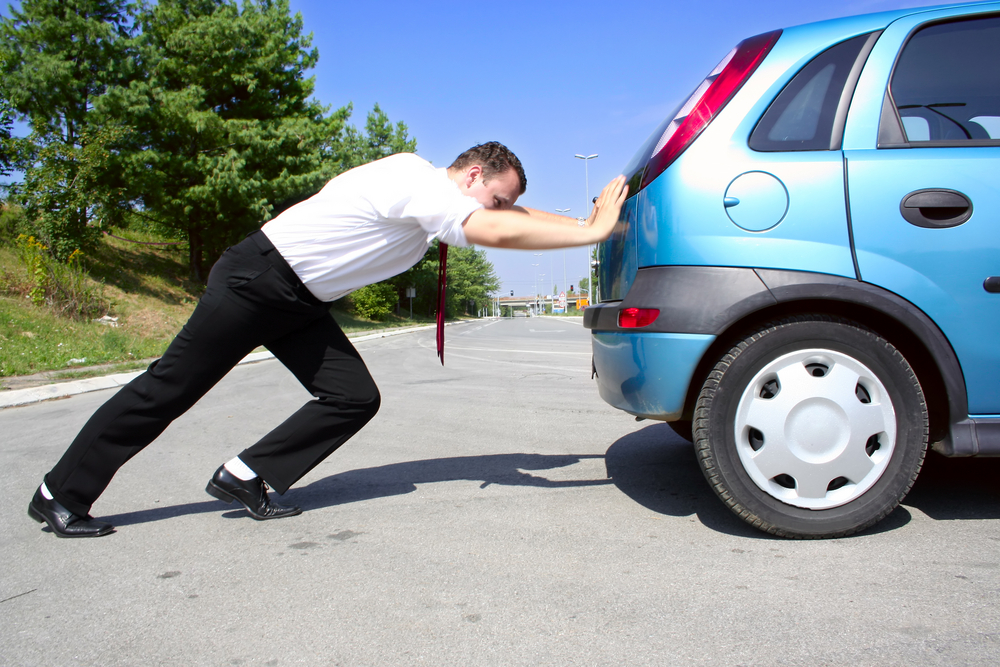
[528, 229]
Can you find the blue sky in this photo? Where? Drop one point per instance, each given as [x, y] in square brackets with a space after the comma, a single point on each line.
[548, 79]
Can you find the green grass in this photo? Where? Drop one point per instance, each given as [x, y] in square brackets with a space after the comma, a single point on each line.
[33, 339]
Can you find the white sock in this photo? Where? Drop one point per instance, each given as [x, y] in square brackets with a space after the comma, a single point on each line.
[45, 491]
[239, 469]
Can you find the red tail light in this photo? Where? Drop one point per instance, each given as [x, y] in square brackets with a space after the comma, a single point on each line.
[707, 101]
[636, 318]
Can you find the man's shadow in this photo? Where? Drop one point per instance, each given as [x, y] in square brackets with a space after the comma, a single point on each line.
[396, 479]
[401, 478]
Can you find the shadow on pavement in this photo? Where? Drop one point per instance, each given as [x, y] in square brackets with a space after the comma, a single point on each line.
[401, 478]
[954, 489]
[393, 480]
[657, 469]
[653, 466]
[171, 511]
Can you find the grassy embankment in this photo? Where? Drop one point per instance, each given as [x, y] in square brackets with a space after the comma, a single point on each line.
[148, 291]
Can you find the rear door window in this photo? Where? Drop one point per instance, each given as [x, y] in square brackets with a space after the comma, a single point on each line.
[807, 114]
[945, 87]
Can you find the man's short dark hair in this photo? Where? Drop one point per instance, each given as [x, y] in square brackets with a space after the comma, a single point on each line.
[494, 158]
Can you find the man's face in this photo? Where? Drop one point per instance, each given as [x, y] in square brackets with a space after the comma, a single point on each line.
[500, 192]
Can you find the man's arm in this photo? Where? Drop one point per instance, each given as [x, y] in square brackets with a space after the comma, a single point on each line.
[528, 229]
[535, 214]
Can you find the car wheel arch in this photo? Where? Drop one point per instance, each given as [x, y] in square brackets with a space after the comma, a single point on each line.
[900, 322]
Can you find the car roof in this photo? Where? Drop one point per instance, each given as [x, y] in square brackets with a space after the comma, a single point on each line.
[876, 20]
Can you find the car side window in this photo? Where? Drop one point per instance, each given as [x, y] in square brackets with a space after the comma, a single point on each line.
[946, 84]
[804, 115]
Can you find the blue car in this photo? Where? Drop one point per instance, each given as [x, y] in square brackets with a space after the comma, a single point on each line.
[805, 279]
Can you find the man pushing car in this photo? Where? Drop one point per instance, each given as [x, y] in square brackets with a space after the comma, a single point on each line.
[274, 289]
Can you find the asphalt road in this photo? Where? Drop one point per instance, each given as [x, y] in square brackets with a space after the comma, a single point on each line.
[496, 512]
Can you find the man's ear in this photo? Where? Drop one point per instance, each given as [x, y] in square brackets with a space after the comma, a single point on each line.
[474, 173]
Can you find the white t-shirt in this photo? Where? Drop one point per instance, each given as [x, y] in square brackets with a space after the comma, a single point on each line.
[370, 223]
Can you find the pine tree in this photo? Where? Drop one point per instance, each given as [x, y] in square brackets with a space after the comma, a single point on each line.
[224, 124]
[60, 58]
[8, 152]
[380, 139]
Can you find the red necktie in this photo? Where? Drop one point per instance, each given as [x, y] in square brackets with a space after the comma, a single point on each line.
[442, 290]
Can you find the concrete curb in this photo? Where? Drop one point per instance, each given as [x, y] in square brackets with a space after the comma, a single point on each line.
[17, 397]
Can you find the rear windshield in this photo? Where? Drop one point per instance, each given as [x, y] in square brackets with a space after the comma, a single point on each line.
[633, 170]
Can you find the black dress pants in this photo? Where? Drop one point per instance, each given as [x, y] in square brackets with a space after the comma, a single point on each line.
[253, 298]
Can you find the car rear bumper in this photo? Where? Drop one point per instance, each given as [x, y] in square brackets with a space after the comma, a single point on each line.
[647, 374]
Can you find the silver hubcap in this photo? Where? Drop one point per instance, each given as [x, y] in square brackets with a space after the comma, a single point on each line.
[815, 429]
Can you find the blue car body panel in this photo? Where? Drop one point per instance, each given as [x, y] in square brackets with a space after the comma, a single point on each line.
[683, 219]
[620, 251]
[941, 271]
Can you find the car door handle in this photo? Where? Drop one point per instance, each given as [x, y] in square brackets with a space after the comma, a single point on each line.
[992, 284]
[935, 208]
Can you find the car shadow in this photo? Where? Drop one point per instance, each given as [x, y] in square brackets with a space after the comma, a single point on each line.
[657, 469]
[950, 489]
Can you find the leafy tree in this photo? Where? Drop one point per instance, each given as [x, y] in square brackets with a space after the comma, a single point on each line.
[223, 117]
[379, 139]
[471, 279]
[64, 194]
[60, 57]
[423, 276]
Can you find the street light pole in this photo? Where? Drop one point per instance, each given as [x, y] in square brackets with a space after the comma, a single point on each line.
[586, 210]
[586, 176]
[563, 211]
[537, 254]
[535, 297]
[539, 301]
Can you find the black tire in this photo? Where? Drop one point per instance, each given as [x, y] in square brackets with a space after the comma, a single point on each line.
[793, 375]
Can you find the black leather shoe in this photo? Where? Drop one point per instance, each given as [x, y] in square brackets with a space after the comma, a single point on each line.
[227, 487]
[63, 522]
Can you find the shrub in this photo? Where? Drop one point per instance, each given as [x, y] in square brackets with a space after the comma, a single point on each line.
[64, 287]
[375, 301]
